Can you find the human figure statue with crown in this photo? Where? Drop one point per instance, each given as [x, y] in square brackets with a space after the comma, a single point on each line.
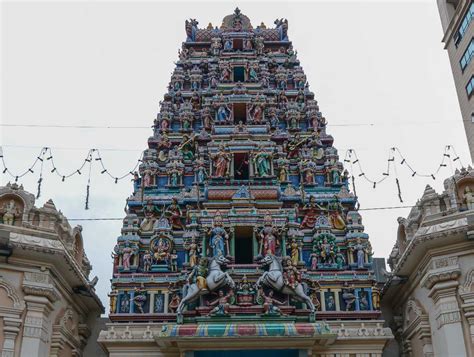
[219, 238]
[268, 236]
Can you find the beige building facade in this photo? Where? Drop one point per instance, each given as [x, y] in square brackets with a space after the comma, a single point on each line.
[48, 306]
[457, 19]
[428, 299]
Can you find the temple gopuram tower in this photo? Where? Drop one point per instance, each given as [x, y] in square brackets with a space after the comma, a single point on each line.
[241, 235]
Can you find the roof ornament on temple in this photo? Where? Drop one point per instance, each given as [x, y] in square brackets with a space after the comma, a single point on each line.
[236, 23]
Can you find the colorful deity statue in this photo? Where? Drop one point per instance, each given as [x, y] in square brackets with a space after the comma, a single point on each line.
[222, 303]
[294, 251]
[198, 274]
[139, 300]
[291, 275]
[469, 198]
[219, 238]
[151, 212]
[127, 251]
[359, 248]
[268, 236]
[200, 171]
[248, 45]
[294, 146]
[283, 170]
[174, 214]
[207, 120]
[262, 161]
[314, 258]
[175, 173]
[311, 210]
[270, 303]
[221, 162]
[252, 72]
[192, 248]
[187, 146]
[147, 260]
[225, 72]
[256, 113]
[161, 248]
[196, 100]
[336, 210]
[216, 45]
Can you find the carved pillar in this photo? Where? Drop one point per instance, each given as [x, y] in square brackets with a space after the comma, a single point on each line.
[232, 241]
[11, 328]
[167, 301]
[336, 298]
[323, 299]
[442, 282]
[466, 294]
[152, 302]
[40, 294]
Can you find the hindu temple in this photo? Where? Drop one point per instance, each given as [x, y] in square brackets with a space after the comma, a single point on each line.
[242, 234]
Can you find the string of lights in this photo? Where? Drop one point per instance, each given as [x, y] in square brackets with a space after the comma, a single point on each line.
[356, 169]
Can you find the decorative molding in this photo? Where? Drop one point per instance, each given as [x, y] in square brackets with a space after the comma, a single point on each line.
[18, 303]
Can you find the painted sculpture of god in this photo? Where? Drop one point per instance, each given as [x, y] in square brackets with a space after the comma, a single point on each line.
[10, 211]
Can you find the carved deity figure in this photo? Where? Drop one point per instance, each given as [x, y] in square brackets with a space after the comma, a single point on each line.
[311, 211]
[268, 236]
[198, 274]
[294, 251]
[262, 160]
[223, 114]
[336, 210]
[221, 162]
[469, 198]
[294, 146]
[146, 262]
[222, 303]
[270, 303]
[200, 170]
[291, 275]
[218, 237]
[187, 146]
[192, 249]
[360, 251]
[127, 252]
[174, 214]
[139, 300]
[10, 212]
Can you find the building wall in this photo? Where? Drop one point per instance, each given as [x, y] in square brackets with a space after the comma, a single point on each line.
[41, 266]
[452, 13]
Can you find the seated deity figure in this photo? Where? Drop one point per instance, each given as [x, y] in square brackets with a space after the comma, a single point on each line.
[221, 162]
[311, 210]
[187, 147]
[218, 237]
[268, 237]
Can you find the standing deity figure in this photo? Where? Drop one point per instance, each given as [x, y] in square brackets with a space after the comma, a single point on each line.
[139, 300]
[273, 118]
[174, 214]
[259, 45]
[248, 45]
[469, 198]
[313, 259]
[125, 303]
[175, 173]
[146, 261]
[375, 296]
[360, 251]
[10, 212]
[207, 120]
[336, 210]
[150, 212]
[283, 169]
[268, 236]
[216, 45]
[327, 252]
[291, 275]
[311, 211]
[196, 101]
[127, 253]
[262, 161]
[192, 249]
[225, 72]
[252, 72]
[307, 169]
[223, 113]
[227, 45]
[200, 171]
[148, 177]
[294, 251]
[221, 162]
[256, 113]
[219, 239]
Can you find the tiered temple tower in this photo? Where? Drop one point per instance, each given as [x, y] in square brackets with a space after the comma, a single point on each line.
[241, 222]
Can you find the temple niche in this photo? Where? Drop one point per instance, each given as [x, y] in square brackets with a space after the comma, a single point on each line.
[241, 215]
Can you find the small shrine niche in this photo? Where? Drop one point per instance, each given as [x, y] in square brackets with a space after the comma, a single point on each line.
[244, 245]
[238, 44]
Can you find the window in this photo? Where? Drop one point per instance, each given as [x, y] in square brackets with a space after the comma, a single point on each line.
[467, 55]
[239, 74]
[238, 44]
[241, 166]
[464, 24]
[243, 245]
[240, 113]
[470, 87]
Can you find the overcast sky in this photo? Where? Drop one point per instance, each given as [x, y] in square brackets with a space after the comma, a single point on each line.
[378, 69]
